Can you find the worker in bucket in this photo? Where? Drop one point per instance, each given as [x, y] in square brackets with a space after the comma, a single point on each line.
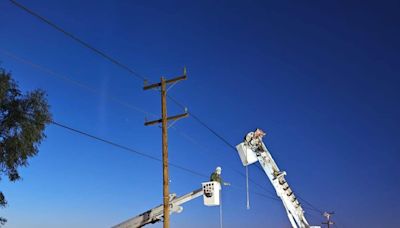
[254, 139]
[216, 176]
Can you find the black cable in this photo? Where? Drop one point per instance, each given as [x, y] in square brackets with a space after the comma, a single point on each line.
[127, 148]
[101, 53]
[202, 123]
[123, 66]
[314, 208]
[136, 74]
[72, 36]
[221, 138]
[232, 147]
[144, 154]
[76, 83]
[92, 90]
[311, 205]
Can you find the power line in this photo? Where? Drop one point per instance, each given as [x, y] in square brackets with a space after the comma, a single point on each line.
[103, 54]
[202, 123]
[220, 137]
[112, 98]
[232, 147]
[113, 60]
[74, 82]
[127, 105]
[311, 205]
[139, 76]
[314, 208]
[126, 148]
[77, 39]
[129, 149]
[125, 67]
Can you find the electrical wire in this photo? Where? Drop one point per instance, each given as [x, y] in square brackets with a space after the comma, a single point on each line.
[202, 123]
[314, 208]
[219, 137]
[311, 205]
[129, 149]
[123, 66]
[112, 98]
[92, 90]
[80, 41]
[76, 83]
[193, 172]
[101, 53]
[126, 148]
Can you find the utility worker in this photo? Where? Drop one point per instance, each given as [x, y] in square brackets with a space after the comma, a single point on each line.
[253, 139]
[216, 176]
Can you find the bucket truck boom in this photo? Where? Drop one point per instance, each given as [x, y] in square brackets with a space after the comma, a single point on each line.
[211, 197]
[252, 150]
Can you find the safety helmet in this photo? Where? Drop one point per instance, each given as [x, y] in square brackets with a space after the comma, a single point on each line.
[218, 169]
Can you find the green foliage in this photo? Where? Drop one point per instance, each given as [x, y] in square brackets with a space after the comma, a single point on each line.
[23, 118]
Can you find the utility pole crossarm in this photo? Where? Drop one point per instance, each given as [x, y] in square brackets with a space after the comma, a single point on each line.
[328, 222]
[168, 119]
[155, 85]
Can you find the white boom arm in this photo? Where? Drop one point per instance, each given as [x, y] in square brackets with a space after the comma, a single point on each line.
[156, 214]
[211, 197]
[250, 154]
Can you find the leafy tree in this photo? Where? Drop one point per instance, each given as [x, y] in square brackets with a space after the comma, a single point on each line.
[23, 118]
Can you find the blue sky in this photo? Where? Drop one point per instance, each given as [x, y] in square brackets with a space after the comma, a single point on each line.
[321, 78]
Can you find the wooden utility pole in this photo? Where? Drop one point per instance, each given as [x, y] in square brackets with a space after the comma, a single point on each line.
[164, 121]
[328, 219]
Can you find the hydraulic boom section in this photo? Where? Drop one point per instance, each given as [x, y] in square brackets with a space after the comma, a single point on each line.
[211, 197]
[251, 150]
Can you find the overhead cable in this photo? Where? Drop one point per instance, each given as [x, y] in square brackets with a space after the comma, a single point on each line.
[79, 40]
[129, 149]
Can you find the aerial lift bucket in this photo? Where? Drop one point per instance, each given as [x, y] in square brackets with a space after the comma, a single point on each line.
[247, 156]
[211, 193]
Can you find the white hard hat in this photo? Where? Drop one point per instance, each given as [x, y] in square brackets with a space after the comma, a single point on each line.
[218, 168]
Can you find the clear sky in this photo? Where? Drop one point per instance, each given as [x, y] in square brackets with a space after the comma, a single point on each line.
[321, 78]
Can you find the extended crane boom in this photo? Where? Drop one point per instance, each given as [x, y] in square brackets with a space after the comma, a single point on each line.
[252, 150]
[156, 214]
[211, 197]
